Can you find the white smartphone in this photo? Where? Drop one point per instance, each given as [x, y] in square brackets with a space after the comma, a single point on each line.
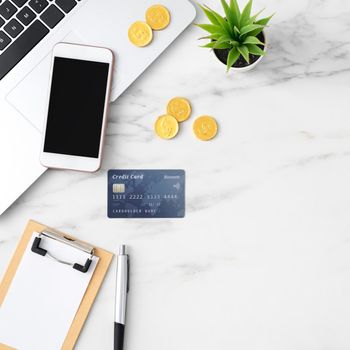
[74, 128]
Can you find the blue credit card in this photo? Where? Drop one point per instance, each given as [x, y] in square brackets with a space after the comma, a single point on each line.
[146, 193]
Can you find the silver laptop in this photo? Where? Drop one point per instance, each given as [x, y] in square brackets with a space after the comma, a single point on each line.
[28, 31]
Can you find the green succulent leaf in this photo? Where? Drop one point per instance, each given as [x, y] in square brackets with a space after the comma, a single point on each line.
[221, 20]
[209, 15]
[263, 22]
[231, 19]
[252, 40]
[237, 32]
[243, 50]
[227, 38]
[214, 45]
[255, 50]
[214, 36]
[236, 11]
[224, 45]
[234, 43]
[232, 57]
[223, 40]
[254, 18]
[248, 29]
[211, 28]
[245, 16]
[209, 45]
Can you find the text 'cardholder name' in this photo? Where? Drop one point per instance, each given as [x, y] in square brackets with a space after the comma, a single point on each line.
[146, 193]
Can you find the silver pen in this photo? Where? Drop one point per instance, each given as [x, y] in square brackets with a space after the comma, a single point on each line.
[122, 289]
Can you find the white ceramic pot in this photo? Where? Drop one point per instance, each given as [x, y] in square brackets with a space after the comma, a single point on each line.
[251, 66]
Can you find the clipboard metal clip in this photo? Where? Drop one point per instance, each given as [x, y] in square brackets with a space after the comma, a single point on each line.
[87, 248]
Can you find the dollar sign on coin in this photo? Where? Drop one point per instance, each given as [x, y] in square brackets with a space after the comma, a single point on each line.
[140, 34]
[166, 127]
[158, 17]
[180, 108]
[205, 128]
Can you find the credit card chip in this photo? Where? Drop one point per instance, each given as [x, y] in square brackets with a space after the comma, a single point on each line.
[118, 188]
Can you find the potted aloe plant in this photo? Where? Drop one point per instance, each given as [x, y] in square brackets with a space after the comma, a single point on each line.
[238, 39]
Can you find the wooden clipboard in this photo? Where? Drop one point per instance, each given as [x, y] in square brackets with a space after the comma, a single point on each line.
[105, 259]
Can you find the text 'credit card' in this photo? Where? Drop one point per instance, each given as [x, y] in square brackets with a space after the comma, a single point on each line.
[146, 193]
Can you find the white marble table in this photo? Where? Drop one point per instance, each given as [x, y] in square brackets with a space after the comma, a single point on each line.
[261, 260]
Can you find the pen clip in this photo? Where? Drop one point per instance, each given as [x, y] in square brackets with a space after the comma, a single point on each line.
[128, 276]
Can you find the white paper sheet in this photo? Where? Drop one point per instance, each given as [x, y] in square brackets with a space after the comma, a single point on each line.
[43, 298]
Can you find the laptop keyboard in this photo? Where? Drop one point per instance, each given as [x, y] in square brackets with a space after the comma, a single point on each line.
[24, 23]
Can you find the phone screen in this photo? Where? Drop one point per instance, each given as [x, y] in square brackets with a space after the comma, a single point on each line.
[76, 107]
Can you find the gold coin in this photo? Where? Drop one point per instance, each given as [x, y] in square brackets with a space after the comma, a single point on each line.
[166, 126]
[140, 34]
[205, 127]
[158, 17]
[179, 108]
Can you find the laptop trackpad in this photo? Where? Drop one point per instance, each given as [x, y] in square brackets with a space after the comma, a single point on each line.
[29, 97]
